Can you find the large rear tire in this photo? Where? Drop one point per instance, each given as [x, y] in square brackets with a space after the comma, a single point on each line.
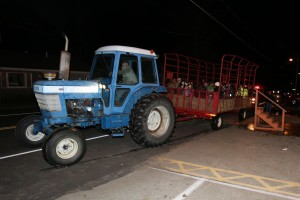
[24, 132]
[152, 120]
[64, 147]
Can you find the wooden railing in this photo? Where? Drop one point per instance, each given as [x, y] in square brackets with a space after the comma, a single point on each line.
[262, 120]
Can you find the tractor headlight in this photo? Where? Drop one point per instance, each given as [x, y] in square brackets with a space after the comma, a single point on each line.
[102, 86]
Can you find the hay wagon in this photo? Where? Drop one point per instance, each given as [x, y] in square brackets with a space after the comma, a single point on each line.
[201, 89]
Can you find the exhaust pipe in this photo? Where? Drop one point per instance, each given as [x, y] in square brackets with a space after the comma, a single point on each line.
[64, 65]
[67, 42]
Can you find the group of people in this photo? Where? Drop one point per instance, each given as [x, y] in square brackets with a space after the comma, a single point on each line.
[227, 90]
[184, 87]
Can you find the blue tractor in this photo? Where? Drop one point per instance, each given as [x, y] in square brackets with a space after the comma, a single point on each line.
[122, 94]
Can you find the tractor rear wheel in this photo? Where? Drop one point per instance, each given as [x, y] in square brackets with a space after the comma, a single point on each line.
[64, 147]
[152, 120]
[25, 135]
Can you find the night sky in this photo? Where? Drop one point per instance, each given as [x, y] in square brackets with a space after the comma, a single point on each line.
[265, 32]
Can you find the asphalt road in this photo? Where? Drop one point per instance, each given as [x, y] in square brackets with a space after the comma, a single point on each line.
[110, 162]
[25, 175]
[232, 163]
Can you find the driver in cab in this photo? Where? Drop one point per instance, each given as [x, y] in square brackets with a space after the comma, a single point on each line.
[127, 74]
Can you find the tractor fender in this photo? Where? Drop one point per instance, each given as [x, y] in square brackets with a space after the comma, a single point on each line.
[139, 93]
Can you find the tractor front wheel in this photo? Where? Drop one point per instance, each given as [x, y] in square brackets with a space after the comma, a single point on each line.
[152, 120]
[25, 135]
[64, 147]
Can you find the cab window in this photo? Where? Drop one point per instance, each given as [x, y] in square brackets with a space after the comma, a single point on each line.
[148, 70]
[102, 68]
[128, 70]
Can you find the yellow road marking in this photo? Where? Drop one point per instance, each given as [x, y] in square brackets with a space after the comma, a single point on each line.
[7, 128]
[237, 178]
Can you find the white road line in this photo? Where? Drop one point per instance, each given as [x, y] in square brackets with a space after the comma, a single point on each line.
[36, 150]
[189, 190]
[19, 154]
[231, 185]
[7, 128]
[97, 137]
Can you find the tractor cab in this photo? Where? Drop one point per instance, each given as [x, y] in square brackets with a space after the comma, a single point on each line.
[121, 95]
[122, 71]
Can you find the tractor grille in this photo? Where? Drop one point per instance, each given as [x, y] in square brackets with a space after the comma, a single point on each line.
[48, 102]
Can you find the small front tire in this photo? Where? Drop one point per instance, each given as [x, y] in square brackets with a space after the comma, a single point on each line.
[64, 147]
[24, 132]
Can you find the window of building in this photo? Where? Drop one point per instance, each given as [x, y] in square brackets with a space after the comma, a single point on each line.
[16, 79]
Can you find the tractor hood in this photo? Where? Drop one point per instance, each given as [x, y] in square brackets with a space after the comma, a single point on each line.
[62, 86]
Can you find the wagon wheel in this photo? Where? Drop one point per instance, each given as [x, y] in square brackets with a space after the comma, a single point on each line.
[242, 114]
[216, 122]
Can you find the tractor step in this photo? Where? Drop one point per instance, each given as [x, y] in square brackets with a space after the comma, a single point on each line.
[117, 132]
